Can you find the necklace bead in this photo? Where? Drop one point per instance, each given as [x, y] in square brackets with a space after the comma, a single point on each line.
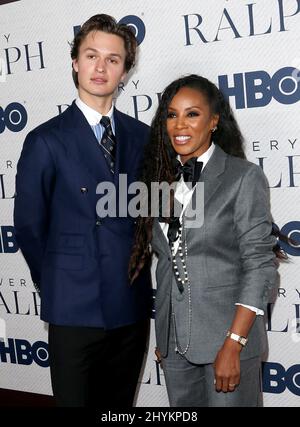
[182, 282]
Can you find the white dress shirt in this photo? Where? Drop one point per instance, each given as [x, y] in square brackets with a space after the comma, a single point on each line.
[184, 194]
[93, 117]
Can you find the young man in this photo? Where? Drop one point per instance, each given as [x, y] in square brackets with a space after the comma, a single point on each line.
[98, 322]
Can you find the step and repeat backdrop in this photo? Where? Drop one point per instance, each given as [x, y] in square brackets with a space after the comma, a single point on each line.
[250, 49]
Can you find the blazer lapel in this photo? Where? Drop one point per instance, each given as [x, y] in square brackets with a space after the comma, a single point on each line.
[211, 173]
[211, 177]
[127, 149]
[159, 238]
[86, 149]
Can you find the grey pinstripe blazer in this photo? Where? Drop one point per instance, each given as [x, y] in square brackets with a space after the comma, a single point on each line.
[230, 260]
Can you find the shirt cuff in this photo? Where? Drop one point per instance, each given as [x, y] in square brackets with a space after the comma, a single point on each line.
[256, 310]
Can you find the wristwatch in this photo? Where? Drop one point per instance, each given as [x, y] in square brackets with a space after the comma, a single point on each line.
[242, 340]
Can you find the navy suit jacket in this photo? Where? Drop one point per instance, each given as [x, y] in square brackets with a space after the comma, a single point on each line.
[79, 261]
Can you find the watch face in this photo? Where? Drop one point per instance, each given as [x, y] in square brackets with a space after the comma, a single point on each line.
[242, 340]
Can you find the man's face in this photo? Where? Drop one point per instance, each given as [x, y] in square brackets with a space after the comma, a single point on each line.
[100, 66]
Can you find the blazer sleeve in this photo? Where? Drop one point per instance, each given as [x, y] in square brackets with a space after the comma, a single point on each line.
[34, 185]
[253, 224]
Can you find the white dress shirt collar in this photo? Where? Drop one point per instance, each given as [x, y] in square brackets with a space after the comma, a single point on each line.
[204, 158]
[92, 116]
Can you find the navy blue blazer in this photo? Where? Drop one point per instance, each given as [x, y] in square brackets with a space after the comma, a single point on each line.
[79, 261]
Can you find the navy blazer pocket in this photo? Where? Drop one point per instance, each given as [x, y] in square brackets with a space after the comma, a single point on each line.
[71, 240]
[66, 242]
[65, 261]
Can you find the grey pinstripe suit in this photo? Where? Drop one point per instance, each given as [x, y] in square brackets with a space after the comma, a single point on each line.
[230, 259]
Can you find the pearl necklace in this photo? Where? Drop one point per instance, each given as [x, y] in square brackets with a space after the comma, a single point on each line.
[182, 282]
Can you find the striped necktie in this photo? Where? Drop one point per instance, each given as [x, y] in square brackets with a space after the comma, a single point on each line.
[108, 143]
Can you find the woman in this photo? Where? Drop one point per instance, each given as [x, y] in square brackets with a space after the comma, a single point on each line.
[213, 281]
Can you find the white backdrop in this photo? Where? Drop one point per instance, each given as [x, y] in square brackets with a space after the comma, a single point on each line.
[251, 50]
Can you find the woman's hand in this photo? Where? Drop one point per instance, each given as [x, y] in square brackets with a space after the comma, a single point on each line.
[227, 366]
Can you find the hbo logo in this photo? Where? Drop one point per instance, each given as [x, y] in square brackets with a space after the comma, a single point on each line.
[8, 243]
[137, 26]
[276, 379]
[23, 353]
[258, 88]
[292, 231]
[134, 22]
[14, 117]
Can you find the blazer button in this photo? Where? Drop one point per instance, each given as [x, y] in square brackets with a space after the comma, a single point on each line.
[180, 297]
[83, 190]
[98, 222]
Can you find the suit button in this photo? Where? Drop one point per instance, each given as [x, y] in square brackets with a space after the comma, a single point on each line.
[98, 222]
[84, 190]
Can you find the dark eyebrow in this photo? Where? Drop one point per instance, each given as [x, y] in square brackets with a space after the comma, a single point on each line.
[90, 48]
[115, 54]
[110, 54]
[186, 109]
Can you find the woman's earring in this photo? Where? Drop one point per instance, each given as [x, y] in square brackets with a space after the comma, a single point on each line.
[214, 129]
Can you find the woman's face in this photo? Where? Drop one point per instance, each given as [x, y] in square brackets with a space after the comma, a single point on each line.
[189, 123]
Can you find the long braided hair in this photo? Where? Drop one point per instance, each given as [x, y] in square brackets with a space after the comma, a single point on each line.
[159, 153]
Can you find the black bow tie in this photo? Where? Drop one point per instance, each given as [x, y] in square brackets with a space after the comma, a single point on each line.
[191, 170]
